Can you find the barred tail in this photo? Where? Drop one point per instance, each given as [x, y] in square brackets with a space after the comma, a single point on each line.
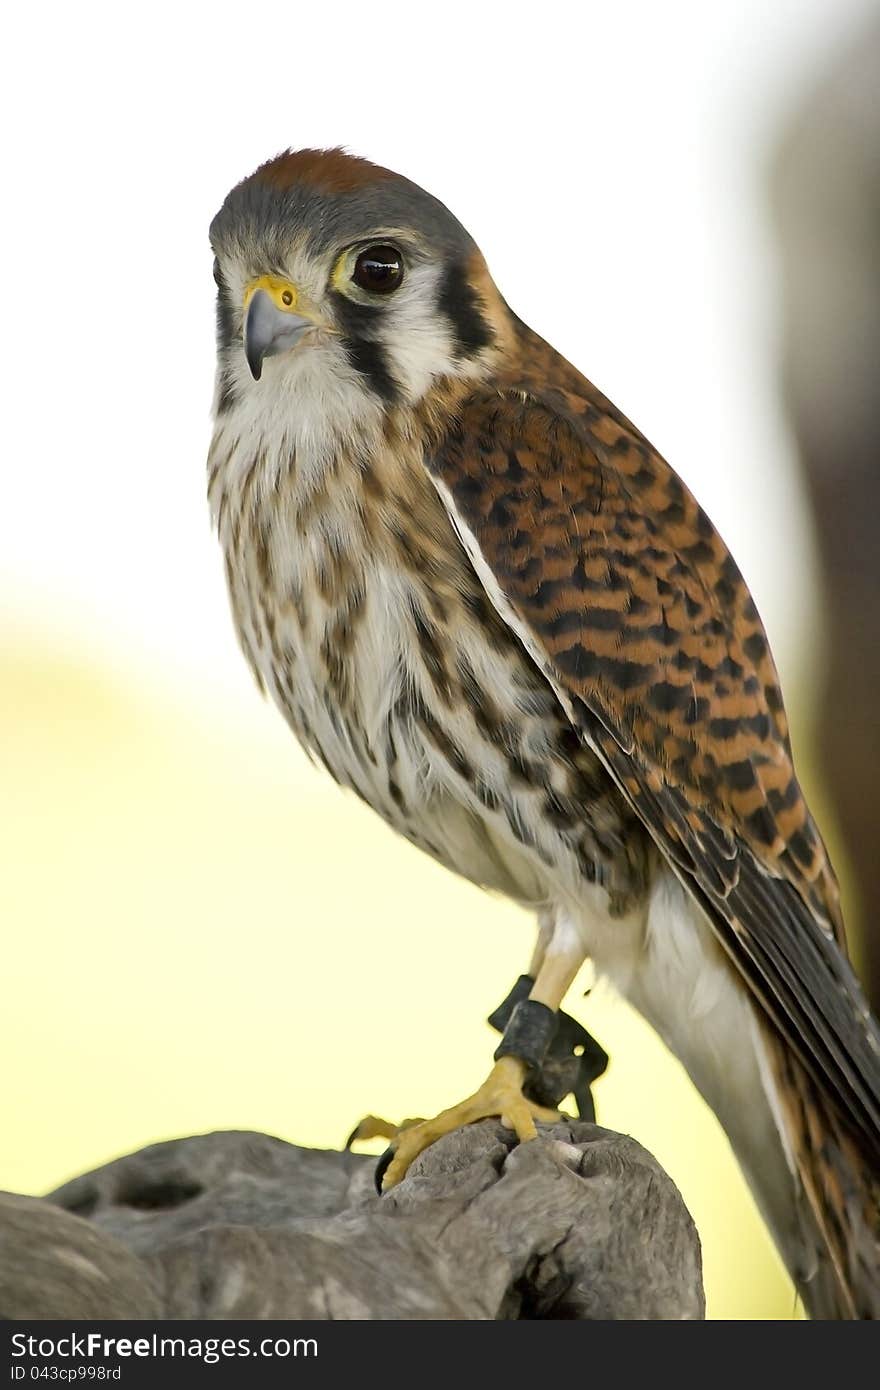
[839, 1176]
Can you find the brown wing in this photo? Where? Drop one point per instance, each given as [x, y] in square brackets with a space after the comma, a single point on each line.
[624, 594]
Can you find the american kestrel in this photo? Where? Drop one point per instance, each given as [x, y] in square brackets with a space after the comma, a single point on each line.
[488, 606]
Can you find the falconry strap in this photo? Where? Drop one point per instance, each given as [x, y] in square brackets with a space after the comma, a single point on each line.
[547, 1041]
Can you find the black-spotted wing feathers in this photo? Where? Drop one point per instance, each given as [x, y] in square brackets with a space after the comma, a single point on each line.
[625, 595]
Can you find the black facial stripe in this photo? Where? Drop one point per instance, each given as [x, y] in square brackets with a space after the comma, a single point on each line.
[359, 323]
[226, 333]
[225, 319]
[357, 320]
[369, 358]
[458, 301]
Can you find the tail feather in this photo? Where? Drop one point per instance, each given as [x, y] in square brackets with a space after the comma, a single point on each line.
[840, 1194]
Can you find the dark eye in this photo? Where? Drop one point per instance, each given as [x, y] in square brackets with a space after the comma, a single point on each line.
[218, 279]
[379, 269]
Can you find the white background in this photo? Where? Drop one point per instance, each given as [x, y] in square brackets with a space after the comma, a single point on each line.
[609, 159]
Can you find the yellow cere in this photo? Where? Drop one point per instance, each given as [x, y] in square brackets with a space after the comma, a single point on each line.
[283, 294]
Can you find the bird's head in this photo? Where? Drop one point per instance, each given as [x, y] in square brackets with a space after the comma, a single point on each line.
[333, 271]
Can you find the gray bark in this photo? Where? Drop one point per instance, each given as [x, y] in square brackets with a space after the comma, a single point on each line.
[581, 1223]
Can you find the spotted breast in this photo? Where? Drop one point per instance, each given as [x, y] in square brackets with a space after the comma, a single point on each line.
[374, 646]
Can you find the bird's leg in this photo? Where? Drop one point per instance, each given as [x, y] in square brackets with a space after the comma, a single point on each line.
[546, 924]
[527, 1036]
[562, 955]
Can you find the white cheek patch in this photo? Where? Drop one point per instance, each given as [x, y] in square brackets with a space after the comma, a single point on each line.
[415, 336]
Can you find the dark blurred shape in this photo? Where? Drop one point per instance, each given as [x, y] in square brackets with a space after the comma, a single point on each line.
[826, 200]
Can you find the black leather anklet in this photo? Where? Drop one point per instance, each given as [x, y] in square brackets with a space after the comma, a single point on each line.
[570, 1072]
[572, 1061]
[529, 1033]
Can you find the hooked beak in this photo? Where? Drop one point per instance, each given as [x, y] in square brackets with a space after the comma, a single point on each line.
[271, 324]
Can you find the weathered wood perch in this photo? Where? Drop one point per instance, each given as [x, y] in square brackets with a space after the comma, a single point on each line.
[582, 1223]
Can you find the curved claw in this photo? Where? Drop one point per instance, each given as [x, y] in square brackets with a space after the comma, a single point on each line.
[372, 1127]
[500, 1095]
[382, 1167]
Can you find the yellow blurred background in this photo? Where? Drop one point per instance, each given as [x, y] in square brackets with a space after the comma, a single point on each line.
[206, 934]
[200, 931]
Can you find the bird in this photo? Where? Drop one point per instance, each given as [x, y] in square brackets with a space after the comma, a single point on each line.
[489, 607]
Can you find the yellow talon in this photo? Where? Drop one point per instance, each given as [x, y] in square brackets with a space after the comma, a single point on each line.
[500, 1094]
[374, 1127]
